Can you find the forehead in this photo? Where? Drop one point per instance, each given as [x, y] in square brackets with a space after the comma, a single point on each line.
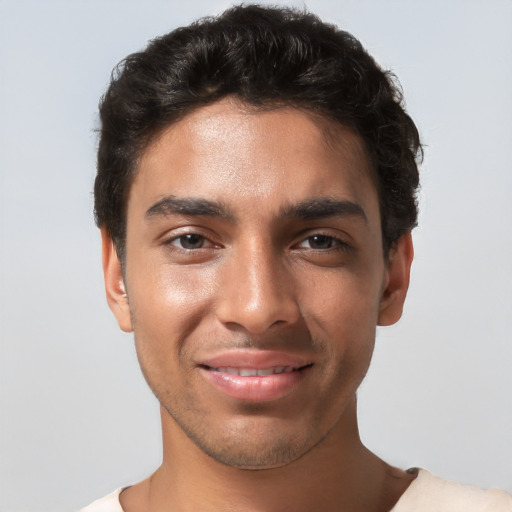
[228, 151]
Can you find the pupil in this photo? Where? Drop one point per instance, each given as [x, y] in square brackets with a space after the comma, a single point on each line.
[191, 241]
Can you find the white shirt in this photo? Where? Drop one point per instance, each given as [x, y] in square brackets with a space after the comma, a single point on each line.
[427, 493]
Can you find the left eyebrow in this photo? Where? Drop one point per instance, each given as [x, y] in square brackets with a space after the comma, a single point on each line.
[323, 207]
[190, 206]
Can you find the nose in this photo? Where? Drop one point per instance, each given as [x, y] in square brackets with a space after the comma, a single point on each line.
[257, 292]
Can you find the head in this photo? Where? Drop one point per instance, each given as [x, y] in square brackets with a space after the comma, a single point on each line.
[255, 191]
[267, 58]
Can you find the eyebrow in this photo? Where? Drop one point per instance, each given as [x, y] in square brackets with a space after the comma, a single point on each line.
[188, 206]
[309, 209]
[323, 207]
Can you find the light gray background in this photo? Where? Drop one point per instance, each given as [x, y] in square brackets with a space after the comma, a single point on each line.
[76, 418]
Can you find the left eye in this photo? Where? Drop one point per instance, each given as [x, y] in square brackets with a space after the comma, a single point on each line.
[320, 242]
[190, 241]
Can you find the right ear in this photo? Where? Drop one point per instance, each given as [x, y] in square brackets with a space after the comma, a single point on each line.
[115, 288]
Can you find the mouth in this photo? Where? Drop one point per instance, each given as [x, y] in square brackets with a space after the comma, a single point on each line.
[256, 372]
[255, 376]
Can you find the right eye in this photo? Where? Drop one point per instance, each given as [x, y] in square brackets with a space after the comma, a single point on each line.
[190, 242]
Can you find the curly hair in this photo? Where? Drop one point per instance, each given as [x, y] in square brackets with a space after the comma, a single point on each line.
[265, 56]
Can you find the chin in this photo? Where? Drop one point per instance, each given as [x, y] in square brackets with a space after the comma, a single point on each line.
[255, 458]
[254, 445]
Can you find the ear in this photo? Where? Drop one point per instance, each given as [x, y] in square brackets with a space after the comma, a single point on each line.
[115, 288]
[397, 281]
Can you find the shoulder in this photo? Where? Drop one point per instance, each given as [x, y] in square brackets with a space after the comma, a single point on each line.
[109, 503]
[429, 493]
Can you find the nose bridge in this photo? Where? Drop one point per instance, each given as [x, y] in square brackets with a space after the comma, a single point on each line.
[258, 290]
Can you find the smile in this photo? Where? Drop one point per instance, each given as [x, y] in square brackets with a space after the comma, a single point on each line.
[262, 384]
[253, 372]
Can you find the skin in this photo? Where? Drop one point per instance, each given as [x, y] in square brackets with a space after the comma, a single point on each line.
[254, 272]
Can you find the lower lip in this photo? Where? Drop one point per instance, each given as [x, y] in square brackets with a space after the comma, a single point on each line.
[254, 389]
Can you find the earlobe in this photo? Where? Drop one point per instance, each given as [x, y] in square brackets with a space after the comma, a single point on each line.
[397, 281]
[115, 288]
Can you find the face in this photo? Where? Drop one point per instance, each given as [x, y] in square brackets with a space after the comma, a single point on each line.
[255, 278]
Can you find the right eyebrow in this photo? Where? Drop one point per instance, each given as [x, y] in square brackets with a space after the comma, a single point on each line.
[190, 206]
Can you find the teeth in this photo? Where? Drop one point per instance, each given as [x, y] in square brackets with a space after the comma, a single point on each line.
[266, 371]
[251, 372]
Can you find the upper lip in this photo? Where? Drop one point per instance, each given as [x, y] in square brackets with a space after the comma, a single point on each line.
[254, 359]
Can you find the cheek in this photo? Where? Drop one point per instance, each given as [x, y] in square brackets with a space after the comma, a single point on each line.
[341, 311]
[347, 302]
[168, 301]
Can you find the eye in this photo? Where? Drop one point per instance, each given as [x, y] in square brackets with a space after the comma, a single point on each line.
[190, 241]
[320, 242]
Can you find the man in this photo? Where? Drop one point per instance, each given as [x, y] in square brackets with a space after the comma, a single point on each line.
[256, 195]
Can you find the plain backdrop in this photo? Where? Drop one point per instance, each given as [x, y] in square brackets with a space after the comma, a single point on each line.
[76, 418]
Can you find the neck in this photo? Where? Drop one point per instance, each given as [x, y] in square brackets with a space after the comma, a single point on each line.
[339, 473]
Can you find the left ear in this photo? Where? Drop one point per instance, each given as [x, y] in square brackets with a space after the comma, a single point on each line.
[397, 281]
